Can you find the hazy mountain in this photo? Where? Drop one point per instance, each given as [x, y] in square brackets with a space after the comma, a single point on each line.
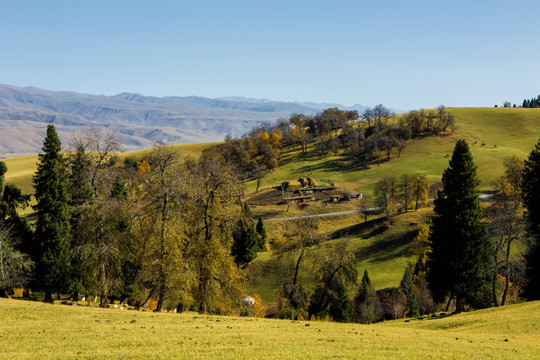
[139, 120]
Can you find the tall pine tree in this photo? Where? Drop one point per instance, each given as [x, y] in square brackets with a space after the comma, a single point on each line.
[531, 199]
[459, 264]
[53, 224]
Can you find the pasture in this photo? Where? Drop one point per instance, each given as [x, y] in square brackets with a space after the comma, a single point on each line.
[34, 330]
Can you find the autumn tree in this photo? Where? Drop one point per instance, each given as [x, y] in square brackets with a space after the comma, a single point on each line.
[335, 269]
[406, 191]
[421, 190]
[53, 217]
[163, 188]
[386, 195]
[300, 237]
[211, 207]
[506, 226]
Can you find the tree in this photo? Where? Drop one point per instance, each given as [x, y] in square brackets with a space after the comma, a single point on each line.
[12, 198]
[163, 189]
[246, 241]
[506, 225]
[366, 307]
[53, 217]
[531, 199]
[460, 261]
[386, 195]
[406, 191]
[407, 287]
[300, 237]
[15, 267]
[421, 248]
[421, 190]
[210, 210]
[261, 231]
[335, 268]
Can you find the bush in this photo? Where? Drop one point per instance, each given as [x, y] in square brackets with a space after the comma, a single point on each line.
[129, 162]
[311, 182]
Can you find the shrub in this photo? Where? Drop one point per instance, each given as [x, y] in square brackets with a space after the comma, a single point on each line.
[129, 162]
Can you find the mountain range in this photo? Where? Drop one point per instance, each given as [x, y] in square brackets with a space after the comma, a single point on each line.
[139, 121]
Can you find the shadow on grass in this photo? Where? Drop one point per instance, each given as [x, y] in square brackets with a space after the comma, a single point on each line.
[332, 165]
[387, 248]
[360, 228]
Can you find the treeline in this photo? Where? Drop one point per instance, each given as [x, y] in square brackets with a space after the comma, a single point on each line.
[533, 102]
[372, 137]
[163, 228]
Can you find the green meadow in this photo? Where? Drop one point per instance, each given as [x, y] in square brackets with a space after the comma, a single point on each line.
[34, 330]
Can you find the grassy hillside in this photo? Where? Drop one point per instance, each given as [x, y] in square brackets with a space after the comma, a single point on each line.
[33, 330]
[503, 131]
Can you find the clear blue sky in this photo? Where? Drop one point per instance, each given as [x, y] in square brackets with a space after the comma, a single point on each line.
[403, 54]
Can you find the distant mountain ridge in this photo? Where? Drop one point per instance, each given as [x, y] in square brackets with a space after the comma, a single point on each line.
[139, 120]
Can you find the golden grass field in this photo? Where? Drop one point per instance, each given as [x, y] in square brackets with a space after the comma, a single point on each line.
[34, 330]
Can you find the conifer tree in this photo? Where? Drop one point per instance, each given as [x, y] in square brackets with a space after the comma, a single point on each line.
[53, 222]
[460, 260]
[366, 303]
[262, 233]
[531, 199]
[408, 288]
[246, 242]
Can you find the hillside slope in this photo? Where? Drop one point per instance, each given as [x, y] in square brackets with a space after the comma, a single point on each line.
[493, 134]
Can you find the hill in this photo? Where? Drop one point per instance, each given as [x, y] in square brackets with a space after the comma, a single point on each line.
[36, 330]
[493, 134]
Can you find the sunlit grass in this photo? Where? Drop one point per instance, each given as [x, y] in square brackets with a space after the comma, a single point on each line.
[33, 330]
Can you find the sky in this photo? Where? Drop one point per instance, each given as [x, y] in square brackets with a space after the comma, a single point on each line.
[403, 54]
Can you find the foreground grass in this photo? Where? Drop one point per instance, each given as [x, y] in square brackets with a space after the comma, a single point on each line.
[33, 330]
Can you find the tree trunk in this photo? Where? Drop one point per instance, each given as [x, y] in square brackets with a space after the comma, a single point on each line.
[507, 281]
[75, 296]
[494, 280]
[297, 267]
[460, 305]
[448, 303]
[48, 297]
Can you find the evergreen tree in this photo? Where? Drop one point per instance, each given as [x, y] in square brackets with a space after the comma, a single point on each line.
[11, 198]
[119, 190]
[531, 199]
[53, 222]
[262, 233]
[340, 305]
[81, 195]
[460, 261]
[408, 288]
[246, 242]
[366, 303]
